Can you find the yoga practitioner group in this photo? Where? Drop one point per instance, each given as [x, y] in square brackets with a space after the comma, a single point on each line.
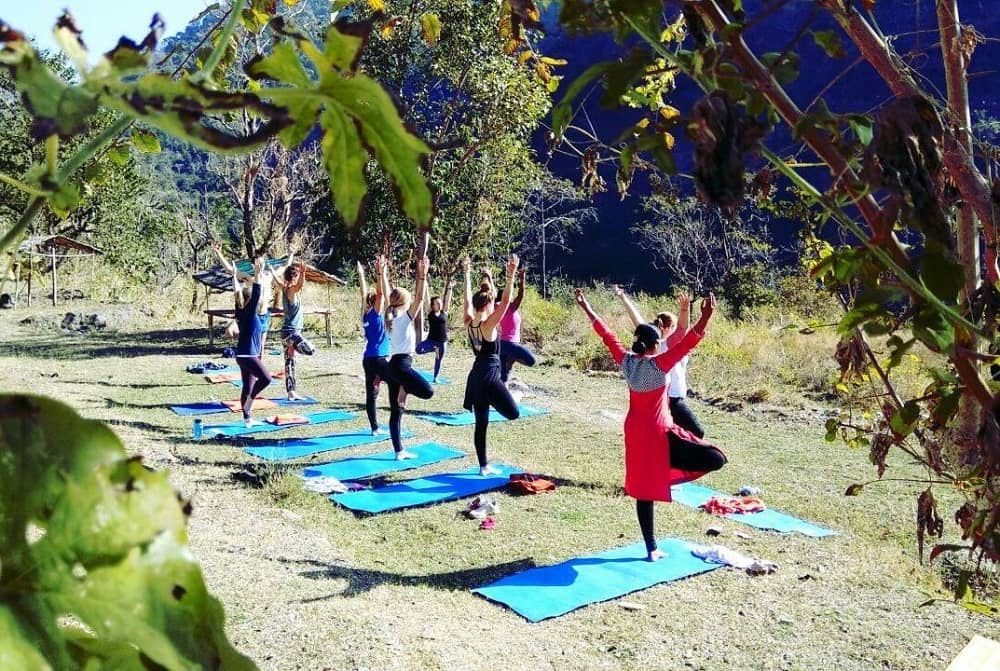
[664, 443]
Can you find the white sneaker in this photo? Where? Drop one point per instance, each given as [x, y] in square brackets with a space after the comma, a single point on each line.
[481, 507]
[402, 455]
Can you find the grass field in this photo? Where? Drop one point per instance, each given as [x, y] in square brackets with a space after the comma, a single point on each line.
[308, 585]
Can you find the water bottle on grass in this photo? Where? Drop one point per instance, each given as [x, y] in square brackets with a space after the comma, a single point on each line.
[196, 429]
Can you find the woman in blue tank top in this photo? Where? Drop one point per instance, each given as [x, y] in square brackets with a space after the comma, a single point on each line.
[376, 355]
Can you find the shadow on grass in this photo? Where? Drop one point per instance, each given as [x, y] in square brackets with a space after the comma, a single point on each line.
[361, 580]
[124, 345]
[103, 383]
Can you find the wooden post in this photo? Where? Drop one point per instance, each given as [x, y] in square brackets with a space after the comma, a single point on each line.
[55, 285]
[31, 271]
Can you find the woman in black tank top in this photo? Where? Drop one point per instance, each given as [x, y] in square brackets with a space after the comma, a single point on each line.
[484, 388]
[437, 331]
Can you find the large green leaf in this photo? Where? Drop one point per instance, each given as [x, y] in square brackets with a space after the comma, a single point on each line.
[398, 151]
[281, 65]
[345, 159]
[89, 533]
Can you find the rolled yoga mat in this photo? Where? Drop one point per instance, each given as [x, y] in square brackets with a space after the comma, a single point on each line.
[304, 447]
[356, 468]
[694, 496]
[423, 491]
[551, 591]
[467, 418]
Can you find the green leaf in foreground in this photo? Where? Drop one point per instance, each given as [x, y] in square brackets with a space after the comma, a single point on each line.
[91, 537]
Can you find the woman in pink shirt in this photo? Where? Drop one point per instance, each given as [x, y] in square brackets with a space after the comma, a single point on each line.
[511, 349]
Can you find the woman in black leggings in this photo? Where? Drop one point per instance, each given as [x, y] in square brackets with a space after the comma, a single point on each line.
[251, 340]
[658, 452]
[400, 375]
[485, 387]
[376, 355]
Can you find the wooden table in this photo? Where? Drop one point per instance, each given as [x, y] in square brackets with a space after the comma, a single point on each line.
[230, 313]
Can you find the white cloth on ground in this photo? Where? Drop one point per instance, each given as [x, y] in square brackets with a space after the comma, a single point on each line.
[720, 554]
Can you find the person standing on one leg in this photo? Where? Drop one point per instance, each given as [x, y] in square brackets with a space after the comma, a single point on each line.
[437, 331]
[401, 377]
[672, 330]
[511, 349]
[251, 339]
[658, 452]
[484, 387]
[376, 355]
[294, 276]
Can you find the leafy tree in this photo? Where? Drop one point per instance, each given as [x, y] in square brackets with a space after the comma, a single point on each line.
[112, 533]
[475, 107]
[553, 210]
[706, 251]
[910, 189]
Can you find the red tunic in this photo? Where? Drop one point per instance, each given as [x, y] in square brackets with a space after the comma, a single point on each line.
[648, 474]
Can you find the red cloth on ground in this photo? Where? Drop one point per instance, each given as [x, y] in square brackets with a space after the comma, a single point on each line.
[648, 474]
[724, 505]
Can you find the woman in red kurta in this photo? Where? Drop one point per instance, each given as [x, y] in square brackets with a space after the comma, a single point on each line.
[652, 463]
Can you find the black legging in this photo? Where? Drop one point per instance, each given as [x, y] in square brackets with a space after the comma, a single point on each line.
[400, 374]
[374, 373]
[684, 417]
[499, 398]
[255, 380]
[687, 456]
[511, 353]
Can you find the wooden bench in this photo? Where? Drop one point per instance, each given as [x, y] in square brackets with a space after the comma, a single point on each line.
[230, 313]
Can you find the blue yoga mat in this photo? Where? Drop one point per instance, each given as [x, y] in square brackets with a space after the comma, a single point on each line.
[550, 591]
[467, 418]
[694, 496]
[356, 468]
[213, 407]
[238, 429]
[304, 447]
[429, 377]
[422, 491]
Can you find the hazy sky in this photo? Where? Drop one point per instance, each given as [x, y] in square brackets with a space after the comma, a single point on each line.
[102, 21]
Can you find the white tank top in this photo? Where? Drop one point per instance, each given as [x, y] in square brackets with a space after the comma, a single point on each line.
[678, 376]
[402, 335]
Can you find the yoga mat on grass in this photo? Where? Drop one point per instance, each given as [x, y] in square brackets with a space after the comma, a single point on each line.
[357, 468]
[694, 495]
[551, 591]
[422, 491]
[304, 447]
[429, 377]
[212, 407]
[466, 418]
[237, 428]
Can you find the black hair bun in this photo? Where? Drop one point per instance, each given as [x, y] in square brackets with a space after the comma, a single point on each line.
[639, 347]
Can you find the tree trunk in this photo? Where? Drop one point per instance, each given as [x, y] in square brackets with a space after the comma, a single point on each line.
[970, 411]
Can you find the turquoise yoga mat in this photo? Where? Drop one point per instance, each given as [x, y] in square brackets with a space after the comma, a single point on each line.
[356, 468]
[467, 418]
[694, 496]
[551, 591]
[214, 407]
[304, 447]
[429, 377]
[423, 491]
[238, 429]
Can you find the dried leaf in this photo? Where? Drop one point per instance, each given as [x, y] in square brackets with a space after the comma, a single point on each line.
[928, 521]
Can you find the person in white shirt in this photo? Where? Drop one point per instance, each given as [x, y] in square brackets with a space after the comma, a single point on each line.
[672, 330]
[401, 378]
